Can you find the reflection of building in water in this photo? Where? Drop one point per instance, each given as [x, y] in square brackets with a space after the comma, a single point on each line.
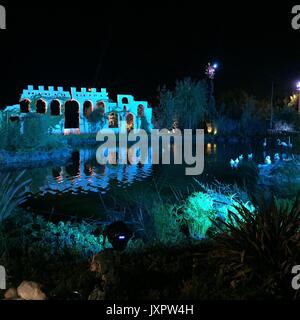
[83, 173]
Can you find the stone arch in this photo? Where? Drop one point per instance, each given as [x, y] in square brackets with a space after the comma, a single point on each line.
[125, 100]
[113, 120]
[41, 106]
[72, 114]
[25, 106]
[55, 107]
[130, 121]
[87, 108]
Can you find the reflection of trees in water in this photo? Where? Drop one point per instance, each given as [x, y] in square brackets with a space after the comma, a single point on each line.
[100, 169]
[88, 168]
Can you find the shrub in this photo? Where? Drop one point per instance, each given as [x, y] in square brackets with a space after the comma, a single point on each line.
[166, 224]
[200, 209]
[35, 135]
[37, 129]
[261, 248]
[198, 212]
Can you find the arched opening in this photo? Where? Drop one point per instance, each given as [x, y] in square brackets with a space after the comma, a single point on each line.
[55, 108]
[71, 114]
[130, 122]
[87, 108]
[113, 120]
[41, 106]
[25, 106]
[141, 111]
[100, 105]
[124, 100]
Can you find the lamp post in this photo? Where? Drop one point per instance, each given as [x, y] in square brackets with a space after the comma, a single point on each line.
[298, 89]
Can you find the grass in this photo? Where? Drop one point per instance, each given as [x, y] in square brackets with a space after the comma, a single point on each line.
[13, 192]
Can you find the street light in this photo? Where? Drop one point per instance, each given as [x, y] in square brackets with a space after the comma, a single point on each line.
[211, 70]
[298, 89]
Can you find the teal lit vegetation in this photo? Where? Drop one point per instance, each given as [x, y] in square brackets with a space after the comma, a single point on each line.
[213, 240]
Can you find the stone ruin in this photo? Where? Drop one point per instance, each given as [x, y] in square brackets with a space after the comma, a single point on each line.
[74, 108]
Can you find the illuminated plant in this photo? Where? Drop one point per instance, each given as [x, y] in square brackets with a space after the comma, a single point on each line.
[198, 212]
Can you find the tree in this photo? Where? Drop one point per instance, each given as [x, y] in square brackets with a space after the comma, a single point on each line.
[97, 117]
[187, 105]
[166, 114]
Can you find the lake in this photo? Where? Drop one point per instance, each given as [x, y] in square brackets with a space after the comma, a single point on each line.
[83, 188]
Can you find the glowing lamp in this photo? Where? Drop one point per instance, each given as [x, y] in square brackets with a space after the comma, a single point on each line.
[209, 128]
[215, 66]
[298, 85]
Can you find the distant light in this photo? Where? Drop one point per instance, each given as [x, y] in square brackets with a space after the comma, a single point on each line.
[298, 85]
[121, 237]
[89, 89]
[215, 66]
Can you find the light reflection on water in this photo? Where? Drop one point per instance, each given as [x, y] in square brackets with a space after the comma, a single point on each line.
[74, 188]
[83, 174]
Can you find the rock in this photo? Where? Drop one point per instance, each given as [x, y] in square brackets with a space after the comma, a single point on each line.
[106, 265]
[29, 290]
[11, 294]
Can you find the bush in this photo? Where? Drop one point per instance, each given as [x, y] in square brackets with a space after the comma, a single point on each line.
[36, 134]
[259, 249]
[201, 209]
[53, 254]
[166, 224]
[198, 212]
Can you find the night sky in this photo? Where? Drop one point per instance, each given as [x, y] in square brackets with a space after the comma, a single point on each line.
[136, 48]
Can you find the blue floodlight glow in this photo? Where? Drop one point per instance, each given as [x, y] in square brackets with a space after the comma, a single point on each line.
[121, 237]
[215, 66]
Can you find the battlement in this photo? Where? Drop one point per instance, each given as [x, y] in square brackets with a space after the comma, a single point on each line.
[51, 91]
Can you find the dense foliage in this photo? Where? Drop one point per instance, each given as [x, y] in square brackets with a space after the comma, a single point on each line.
[187, 104]
[33, 134]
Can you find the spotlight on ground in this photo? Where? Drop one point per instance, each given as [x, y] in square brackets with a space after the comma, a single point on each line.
[118, 234]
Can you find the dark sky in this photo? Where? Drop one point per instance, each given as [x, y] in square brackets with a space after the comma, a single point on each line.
[134, 48]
